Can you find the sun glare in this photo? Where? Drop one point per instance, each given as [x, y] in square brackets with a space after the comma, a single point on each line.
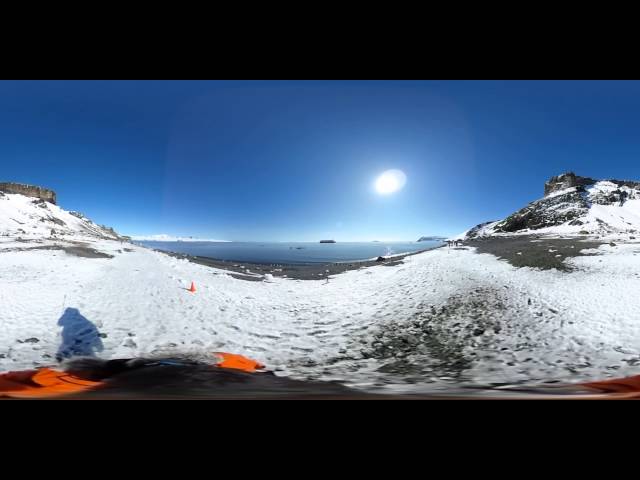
[390, 181]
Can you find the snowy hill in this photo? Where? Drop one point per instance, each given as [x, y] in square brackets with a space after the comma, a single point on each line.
[34, 218]
[574, 205]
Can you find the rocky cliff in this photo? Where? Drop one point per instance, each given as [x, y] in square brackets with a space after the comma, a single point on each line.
[29, 191]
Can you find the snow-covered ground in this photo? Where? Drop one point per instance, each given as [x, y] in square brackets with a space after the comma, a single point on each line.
[537, 325]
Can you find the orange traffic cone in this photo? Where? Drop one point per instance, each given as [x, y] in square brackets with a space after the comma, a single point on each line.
[193, 288]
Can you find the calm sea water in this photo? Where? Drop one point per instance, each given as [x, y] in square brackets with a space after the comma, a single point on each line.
[293, 253]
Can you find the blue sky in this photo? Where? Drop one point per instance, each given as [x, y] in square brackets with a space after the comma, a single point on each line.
[297, 160]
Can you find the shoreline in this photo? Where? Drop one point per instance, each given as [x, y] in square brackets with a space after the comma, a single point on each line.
[256, 271]
[520, 251]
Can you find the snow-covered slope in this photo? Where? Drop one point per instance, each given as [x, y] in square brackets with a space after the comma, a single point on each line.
[574, 205]
[33, 218]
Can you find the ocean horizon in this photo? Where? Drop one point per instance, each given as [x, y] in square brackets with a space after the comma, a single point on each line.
[291, 252]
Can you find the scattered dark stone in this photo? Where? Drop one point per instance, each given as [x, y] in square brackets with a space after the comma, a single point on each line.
[520, 251]
[478, 331]
[130, 334]
[380, 259]
[612, 244]
[411, 340]
[528, 301]
[57, 221]
[85, 252]
[32, 340]
[552, 310]
[102, 335]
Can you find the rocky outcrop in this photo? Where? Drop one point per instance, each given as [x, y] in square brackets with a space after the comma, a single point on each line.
[548, 212]
[29, 191]
[568, 206]
[564, 181]
[570, 179]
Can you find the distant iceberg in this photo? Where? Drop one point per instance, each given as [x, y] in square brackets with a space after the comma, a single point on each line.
[430, 239]
[169, 238]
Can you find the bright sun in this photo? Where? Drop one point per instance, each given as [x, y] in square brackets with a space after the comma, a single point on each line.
[390, 181]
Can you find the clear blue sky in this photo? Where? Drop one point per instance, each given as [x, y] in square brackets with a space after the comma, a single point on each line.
[297, 160]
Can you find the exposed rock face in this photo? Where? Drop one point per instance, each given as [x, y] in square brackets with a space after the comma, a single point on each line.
[570, 179]
[29, 191]
[566, 180]
[549, 211]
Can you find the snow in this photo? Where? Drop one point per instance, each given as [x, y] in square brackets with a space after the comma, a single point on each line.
[139, 299]
[604, 186]
[460, 236]
[24, 217]
[567, 326]
[169, 238]
[557, 193]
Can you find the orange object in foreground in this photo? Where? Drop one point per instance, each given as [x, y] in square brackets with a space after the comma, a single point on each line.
[41, 383]
[238, 362]
[617, 385]
[192, 289]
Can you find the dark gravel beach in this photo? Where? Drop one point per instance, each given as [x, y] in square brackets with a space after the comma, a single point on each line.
[534, 251]
[520, 251]
[311, 271]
